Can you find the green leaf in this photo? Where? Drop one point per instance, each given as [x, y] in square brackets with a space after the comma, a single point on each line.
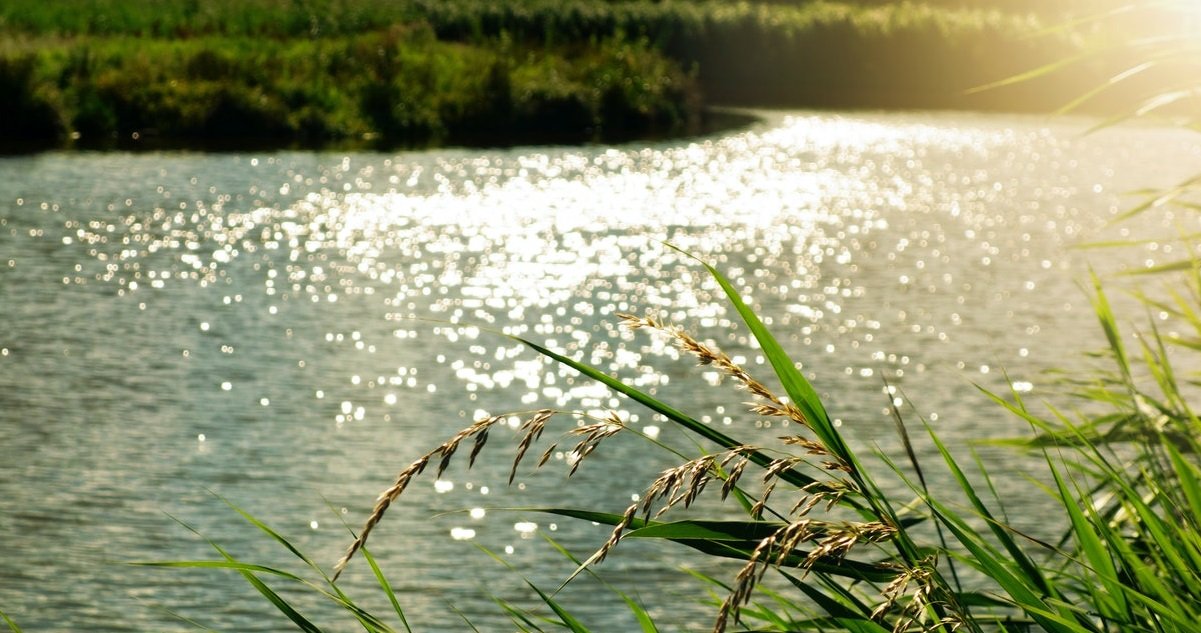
[281, 604]
[1111, 604]
[835, 606]
[386, 587]
[710, 530]
[645, 622]
[219, 564]
[12, 626]
[1190, 483]
[569, 620]
[802, 394]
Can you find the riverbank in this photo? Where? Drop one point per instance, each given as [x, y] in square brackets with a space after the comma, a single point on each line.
[416, 73]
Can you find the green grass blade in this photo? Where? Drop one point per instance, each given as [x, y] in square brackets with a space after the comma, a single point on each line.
[1170, 267]
[517, 616]
[1111, 603]
[569, 621]
[738, 550]
[462, 616]
[1019, 556]
[1190, 483]
[1045, 69]
[802, 394]
[1109, 325]
[274, 598]
[276, 536]
[710, 530]
[645, 622]
[1016, 586]
[369, 621]
[219, 564]
[387, 588]
[835, 606]
[12, 626]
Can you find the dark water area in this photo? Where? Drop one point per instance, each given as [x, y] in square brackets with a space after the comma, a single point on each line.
[289, 329]
[711, 121]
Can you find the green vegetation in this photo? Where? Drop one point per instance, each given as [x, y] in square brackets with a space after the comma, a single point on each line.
[315, 71]
[400, 85]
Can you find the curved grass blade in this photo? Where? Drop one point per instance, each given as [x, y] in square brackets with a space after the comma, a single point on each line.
[369, 621]
[710, 530]
[274, 598]
[387, 588]
[1030, 570]
[462, 616]
[568, 621]
[1111, 603]
[248, 570]
[846, 614]
[645, 622]
[12, 626]
[380, 578]
[1170, 267]
[802, 394]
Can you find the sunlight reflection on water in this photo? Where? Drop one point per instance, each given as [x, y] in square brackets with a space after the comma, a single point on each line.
[294, 328]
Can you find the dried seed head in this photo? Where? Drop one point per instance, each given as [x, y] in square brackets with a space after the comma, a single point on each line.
[841, 538]
[680, 484]
[614, 536]
[593, 435]
[811, 447]
[781, 465]
[546, 455]
[384, 500]
[480, 440]
[533, 430]
[831, 491]
[734, 475]
[921, 578]
[478, 429]
[761, 504]
[706, 355]
[752, 572]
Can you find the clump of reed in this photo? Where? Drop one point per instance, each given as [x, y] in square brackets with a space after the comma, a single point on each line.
[1129, 559]
[1126, 483]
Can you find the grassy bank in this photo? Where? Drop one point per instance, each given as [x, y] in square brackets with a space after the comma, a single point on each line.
[470, 71]
[396, 86]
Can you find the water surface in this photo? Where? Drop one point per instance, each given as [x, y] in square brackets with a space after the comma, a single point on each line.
[288, 330]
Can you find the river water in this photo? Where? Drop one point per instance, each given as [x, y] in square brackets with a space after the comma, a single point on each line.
[288, 330]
